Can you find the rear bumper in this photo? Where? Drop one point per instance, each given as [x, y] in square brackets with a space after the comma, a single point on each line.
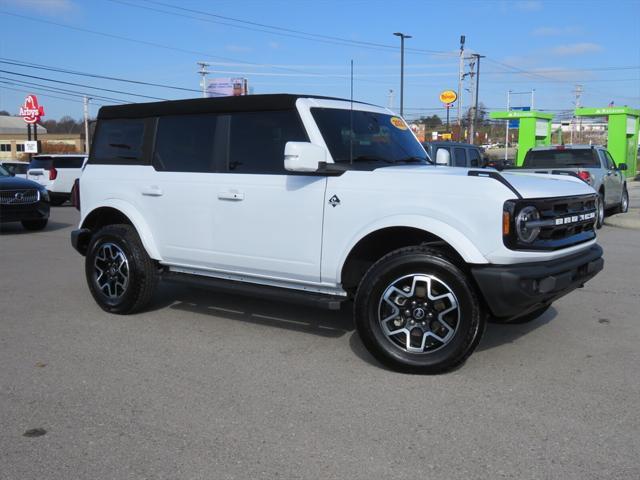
[514, 290]
[80, 240]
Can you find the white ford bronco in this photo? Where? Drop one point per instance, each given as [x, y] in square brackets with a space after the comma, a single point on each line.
[323, 200]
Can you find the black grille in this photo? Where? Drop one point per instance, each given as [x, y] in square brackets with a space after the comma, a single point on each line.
[18, 197]
[563, 222]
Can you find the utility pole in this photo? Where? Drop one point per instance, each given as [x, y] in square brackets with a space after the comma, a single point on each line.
[390, 99]
[203, 73]
[85, 105]
[506, 135]
[460, 77]
[402, 38]
[474, 124]
[578, 93]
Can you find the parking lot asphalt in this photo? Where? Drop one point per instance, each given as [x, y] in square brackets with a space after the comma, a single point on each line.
[214, 386]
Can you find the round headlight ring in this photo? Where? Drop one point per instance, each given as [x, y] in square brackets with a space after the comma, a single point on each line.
[527, 234]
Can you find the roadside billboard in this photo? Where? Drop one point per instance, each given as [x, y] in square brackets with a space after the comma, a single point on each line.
[227, 87]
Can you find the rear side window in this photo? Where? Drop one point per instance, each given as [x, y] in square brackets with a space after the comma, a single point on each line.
[41, 162]
[611, 165]
[257, 140]
[459, 157]
[118, 141]
[186, 143]
[68, 162]
[474, 157]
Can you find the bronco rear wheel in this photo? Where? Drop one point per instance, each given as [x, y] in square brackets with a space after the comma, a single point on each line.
[416, 311]
[121, 276]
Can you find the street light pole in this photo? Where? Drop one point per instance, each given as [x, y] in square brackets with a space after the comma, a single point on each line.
[402, 37]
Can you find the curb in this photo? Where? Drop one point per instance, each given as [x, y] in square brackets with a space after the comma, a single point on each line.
[631, 219]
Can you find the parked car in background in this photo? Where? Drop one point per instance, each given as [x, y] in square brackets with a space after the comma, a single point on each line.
[591, 163]
[15, 168]
[461, 154]
[23, 201]
[57, 174]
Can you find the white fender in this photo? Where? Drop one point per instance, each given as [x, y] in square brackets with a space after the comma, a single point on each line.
[138, 221]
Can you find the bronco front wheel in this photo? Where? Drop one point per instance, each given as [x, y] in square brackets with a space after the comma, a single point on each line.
[416, 311]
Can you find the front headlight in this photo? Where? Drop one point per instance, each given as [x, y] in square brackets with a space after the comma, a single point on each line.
[527, 234]
[44, 194]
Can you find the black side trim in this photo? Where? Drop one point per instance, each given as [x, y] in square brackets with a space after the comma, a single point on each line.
[318, 300]
[495, 176]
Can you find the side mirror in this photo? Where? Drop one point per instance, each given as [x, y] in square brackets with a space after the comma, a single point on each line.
[622, 166]
[303, 156]
[443, 157]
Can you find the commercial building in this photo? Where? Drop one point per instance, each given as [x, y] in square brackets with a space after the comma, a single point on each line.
[13, 134]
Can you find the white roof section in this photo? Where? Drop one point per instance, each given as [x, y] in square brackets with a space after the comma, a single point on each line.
[16, 126]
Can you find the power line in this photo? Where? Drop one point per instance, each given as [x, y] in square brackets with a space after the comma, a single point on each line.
[46, 95]
[81, 85]
[10, 61]
[272, 29]
[134, 40]
[63, 90]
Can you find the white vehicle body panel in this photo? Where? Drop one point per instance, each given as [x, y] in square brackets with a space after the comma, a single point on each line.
[282, 230]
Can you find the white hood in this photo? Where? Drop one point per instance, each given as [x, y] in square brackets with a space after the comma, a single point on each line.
[529, 185]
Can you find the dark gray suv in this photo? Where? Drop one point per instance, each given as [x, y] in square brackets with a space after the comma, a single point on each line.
[461, 154]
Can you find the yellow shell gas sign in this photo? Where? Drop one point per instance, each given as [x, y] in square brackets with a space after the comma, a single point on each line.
[448, 96]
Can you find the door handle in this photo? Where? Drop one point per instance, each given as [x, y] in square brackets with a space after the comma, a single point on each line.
[231, 195]
[152, 191]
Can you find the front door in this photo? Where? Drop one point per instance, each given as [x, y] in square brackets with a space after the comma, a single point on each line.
[266, 222]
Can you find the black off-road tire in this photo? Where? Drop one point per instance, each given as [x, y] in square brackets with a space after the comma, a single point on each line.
[409, 261]
[623, 206]
[35, 225]
[142, 270]
[601, 210]
[529, 317]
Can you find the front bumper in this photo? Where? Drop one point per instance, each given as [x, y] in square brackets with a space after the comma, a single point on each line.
[31, 211]
[515, 290]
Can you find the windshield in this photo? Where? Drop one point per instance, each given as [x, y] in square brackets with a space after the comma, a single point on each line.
[4, 172]
[376, 137]
[561, 159]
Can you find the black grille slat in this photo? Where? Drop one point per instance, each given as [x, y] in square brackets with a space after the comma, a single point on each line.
[18, 197]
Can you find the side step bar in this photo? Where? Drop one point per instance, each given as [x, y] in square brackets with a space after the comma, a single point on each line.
[317, 300]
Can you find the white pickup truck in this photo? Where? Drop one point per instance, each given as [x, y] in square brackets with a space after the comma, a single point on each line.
[57, 173]
[325, 201]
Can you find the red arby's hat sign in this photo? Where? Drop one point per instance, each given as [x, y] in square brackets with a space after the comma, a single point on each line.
[30, 111]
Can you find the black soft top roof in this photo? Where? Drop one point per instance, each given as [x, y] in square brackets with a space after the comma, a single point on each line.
[278, 101]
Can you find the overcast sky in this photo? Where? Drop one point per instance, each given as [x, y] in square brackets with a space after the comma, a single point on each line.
[306, 46]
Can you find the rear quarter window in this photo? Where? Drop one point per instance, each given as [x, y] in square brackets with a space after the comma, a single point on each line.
[119, 141]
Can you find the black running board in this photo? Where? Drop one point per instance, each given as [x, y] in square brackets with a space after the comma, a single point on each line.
[317, 300]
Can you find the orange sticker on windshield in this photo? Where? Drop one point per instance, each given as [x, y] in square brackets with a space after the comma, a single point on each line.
[398, 123]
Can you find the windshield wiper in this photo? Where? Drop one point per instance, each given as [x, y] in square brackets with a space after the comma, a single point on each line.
[414, 159]
[368, 158]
